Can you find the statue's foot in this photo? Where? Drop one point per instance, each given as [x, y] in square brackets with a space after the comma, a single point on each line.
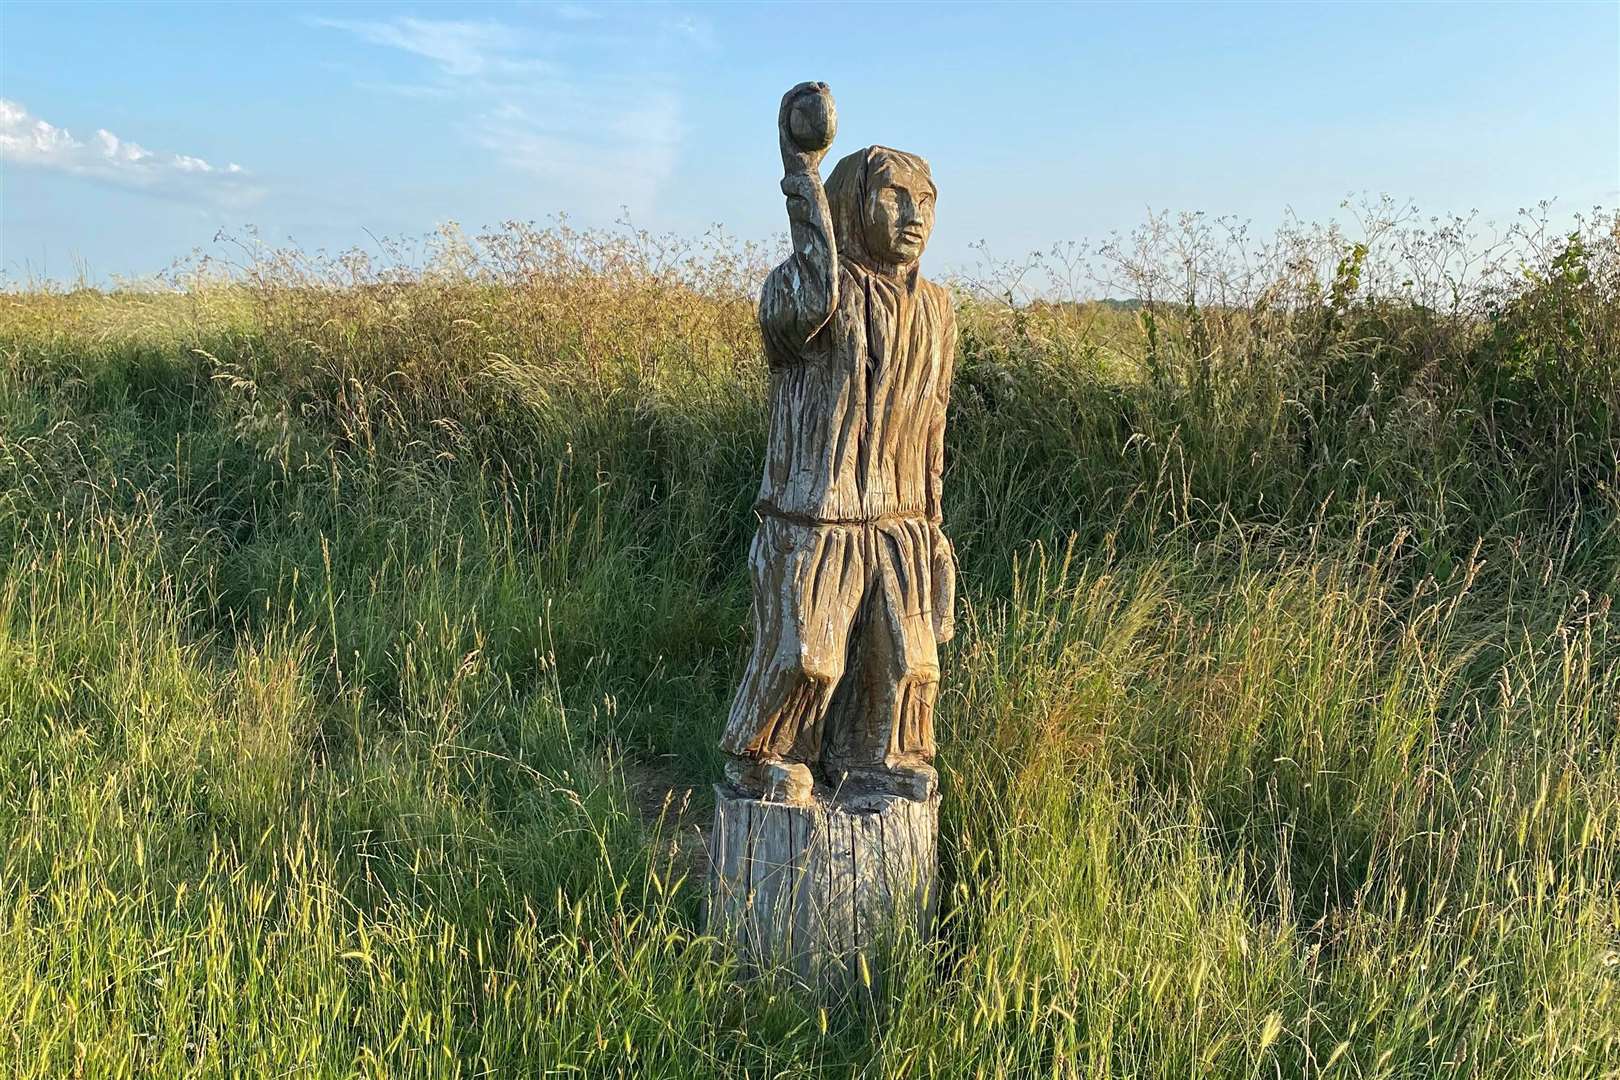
[772, 781]
[916, 780]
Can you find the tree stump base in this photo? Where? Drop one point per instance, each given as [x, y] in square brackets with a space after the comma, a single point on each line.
[825, 889]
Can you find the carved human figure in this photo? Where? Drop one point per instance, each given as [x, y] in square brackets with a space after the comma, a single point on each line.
[854, 581]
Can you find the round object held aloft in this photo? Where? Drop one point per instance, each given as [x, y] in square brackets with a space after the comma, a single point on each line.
[813, 120]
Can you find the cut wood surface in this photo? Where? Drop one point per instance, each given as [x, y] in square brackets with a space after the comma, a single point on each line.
[809, 889]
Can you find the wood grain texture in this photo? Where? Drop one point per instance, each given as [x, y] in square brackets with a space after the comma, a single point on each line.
[854, 579]
[824, 843]
[809, 890]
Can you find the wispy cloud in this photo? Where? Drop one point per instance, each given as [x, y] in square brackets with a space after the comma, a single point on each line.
[27, 140]
[600, 132]
[462, 50]
[576, 13]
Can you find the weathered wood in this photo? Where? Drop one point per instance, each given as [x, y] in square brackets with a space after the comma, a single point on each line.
[854, 578]
[811, 889]
[825, 829]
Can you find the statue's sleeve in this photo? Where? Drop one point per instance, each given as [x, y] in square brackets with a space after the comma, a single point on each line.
[801, 294]
[941, 403]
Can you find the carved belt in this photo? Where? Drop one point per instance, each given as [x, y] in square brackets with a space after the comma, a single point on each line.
[766, 509]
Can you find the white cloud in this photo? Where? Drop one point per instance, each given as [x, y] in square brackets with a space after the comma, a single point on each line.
[601, 134]
[27, 140]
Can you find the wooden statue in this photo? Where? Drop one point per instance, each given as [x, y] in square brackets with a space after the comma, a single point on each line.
[831, 734]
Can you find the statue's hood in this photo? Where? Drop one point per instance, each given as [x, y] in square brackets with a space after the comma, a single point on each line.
[846, 198]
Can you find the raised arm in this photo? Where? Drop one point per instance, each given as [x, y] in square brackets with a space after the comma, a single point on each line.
[802, 293]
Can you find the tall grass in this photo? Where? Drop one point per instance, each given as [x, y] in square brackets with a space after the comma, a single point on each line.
[367, 626]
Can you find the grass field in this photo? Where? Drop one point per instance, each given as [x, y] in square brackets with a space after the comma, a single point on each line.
[366, 630]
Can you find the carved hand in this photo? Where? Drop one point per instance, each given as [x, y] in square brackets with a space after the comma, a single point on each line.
[806, 124]
[944, 591]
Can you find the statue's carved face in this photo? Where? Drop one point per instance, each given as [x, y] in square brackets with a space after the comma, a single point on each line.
[899, 212]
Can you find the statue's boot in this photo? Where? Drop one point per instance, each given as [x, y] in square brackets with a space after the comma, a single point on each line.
[771, 780]
[915, 780]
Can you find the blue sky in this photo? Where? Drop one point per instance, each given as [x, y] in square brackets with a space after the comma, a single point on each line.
[131, 134]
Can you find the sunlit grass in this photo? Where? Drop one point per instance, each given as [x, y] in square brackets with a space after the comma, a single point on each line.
[365, 635]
